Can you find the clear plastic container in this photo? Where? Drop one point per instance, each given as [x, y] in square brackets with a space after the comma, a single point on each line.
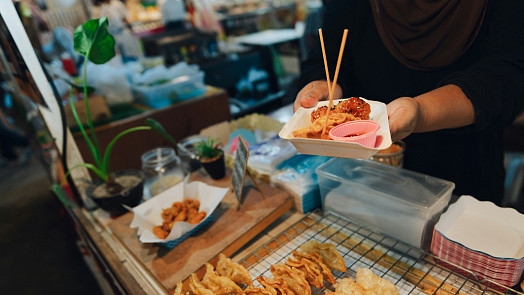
[162, 170]
[397, 202]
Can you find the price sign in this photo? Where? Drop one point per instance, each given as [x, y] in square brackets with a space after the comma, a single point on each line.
[240, 168]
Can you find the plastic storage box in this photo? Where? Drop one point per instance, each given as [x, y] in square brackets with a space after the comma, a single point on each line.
[163, 95]
[400, 203]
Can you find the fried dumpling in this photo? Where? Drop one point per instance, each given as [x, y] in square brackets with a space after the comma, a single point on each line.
[236, 272]
[315, 257]
[347, 286]
[293, 278]
[197, 287]
[328, 252]
[258, 291]
[274, 285]
[311, 271]
[178, 289]
[218, 284]
[375, 284]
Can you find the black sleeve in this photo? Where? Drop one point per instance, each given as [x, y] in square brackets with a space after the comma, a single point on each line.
[495, 83]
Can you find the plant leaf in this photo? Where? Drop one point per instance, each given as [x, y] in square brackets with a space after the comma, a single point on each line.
[155, 125]
[93, 41]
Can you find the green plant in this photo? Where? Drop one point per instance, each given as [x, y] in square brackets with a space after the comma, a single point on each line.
[208, 149]
[93, 41]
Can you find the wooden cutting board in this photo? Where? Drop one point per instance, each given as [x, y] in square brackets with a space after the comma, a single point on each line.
[229, 230]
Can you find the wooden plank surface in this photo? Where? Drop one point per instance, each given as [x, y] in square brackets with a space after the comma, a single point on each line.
[227, 233]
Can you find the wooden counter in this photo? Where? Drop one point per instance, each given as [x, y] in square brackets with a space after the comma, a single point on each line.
[154, 269]
[180, 119]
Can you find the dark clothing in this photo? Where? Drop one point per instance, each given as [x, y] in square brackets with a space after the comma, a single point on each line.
[490, 73]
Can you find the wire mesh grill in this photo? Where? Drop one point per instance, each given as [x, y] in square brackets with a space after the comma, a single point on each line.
[410, 269]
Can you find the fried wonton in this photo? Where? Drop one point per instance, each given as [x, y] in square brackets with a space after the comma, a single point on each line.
[178, 289]
[315, 257]
[236, 272]
[197, 287]
[218, 284]
[347, 286]
[258, 291]
[274, 285]
[373, 283]
[311, 271]
[316, 128]
[294, 279]
[328, 252]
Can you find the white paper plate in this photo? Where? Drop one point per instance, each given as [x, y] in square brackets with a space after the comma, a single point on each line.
[331, 148]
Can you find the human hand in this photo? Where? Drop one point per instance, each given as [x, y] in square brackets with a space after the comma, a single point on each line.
[404, 114]
[314, 92]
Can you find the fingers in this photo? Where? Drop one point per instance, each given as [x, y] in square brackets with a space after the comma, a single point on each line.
[314, 92]
[403, 114]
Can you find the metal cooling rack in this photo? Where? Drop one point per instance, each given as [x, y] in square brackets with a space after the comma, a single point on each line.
[410, 269]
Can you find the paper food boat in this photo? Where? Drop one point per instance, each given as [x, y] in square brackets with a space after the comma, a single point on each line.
[483, 238]
[148, 214]
[331, 148]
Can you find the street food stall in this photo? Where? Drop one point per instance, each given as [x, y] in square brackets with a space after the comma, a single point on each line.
[295, 211]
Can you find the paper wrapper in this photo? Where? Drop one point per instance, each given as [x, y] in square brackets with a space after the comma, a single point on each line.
[483, 238]
[148, 214]
[332, 148]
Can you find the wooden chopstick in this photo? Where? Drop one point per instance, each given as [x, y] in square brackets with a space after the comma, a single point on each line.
[332, 86]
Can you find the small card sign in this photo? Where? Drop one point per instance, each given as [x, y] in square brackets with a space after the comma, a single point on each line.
[240, 169]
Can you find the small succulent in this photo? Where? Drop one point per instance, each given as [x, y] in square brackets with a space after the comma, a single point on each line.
[208, 149]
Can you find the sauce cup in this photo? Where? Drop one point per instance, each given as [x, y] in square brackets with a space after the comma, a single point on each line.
[363, 132]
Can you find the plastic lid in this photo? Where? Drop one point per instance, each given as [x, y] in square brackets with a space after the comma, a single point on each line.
[399, 184]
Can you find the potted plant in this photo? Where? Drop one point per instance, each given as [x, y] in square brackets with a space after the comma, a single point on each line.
[111, 190]
[211, 157]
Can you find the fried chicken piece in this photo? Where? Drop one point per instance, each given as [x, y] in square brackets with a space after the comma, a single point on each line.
[310, 269]
[190, 203]
[196, 217]
[197, 287]
[160, 232]
[315, 257]
[347, 286]
[328, 252]
[275, 286]
[258, 291]
[236, 272]
[293, 278]
[375, 284]
[218, 284]
[319, 112]
[356, 106]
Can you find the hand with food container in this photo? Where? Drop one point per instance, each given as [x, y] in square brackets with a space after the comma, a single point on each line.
[450, 73]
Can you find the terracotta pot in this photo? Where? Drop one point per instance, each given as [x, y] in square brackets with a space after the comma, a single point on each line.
[216, 168]
[133, 183]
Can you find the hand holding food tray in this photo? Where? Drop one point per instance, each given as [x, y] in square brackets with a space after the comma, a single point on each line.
[332, 148]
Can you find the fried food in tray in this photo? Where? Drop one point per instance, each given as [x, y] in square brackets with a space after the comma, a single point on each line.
[367, 283]
[187, 211]
[236, 272]
[351, 109]
[294, 278]
[328, 252]
[219, 285]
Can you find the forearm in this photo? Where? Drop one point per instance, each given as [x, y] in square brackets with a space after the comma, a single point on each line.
[443, 108]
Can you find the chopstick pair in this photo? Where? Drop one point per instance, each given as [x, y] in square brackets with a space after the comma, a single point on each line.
[331, 87]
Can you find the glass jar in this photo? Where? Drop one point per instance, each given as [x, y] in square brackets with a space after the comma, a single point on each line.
[162, 169]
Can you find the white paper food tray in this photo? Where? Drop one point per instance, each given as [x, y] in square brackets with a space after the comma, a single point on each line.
[331, 148]
[148, 214]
